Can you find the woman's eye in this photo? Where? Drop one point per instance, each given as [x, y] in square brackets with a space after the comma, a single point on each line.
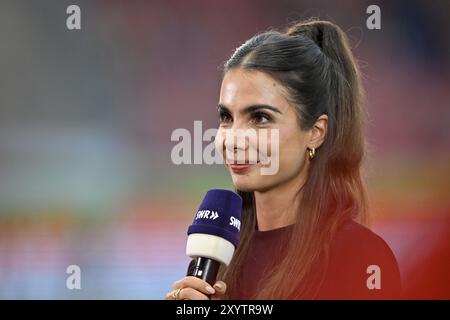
[261, 118]
[225, 117]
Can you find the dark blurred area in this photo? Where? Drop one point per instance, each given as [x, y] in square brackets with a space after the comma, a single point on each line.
[86, 118]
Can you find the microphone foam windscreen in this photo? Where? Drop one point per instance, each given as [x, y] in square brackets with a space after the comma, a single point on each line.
[219, 214]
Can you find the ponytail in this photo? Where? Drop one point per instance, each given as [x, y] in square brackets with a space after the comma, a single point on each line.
[346, 95]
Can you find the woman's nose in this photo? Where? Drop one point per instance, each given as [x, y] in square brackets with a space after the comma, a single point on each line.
[236, 146]
[236, 139]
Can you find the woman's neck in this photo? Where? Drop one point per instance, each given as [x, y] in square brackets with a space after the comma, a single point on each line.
[277, 207]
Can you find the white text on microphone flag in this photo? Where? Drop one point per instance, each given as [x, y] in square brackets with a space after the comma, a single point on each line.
[207, 214]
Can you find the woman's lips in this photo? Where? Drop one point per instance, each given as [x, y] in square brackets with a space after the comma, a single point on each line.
[241, 168]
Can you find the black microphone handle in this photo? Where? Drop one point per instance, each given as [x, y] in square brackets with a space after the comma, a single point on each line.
[204, 268]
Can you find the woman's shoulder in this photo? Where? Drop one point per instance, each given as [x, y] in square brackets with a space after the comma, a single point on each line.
[352, 235]
[362, 264]
[358, 241]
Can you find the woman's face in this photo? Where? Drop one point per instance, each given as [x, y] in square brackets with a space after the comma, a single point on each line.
[251, 100]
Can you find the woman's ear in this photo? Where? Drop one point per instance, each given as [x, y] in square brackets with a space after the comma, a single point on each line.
[318, 132]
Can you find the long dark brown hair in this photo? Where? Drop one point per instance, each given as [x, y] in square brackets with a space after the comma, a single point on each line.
[313, 61]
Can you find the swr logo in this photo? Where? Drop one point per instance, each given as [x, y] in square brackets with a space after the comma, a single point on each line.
[206, 214]
[235, 223]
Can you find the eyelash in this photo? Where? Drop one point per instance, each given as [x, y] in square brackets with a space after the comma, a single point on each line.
[222, 116]
[225, 117]
[261, 115]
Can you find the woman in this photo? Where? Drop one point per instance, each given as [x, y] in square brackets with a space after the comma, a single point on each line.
[301, 236]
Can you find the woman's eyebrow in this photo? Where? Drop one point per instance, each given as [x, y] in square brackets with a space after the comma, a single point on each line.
[251, 108]
[221, 106]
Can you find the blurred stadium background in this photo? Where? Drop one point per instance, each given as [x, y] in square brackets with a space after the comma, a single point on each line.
[86, 118]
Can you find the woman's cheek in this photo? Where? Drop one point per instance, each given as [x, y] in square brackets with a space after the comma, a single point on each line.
[263, 146]
[219, 142]
[270, 152]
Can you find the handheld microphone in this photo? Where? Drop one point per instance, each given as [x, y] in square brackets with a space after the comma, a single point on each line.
[214, 234]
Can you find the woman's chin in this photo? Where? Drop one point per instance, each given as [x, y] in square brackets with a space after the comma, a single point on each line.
[245, 183]
[240, 184]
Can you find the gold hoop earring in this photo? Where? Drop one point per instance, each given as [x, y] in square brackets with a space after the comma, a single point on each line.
[311, 153]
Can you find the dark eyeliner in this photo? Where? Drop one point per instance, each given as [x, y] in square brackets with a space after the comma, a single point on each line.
[259, 115]
[222, 115]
